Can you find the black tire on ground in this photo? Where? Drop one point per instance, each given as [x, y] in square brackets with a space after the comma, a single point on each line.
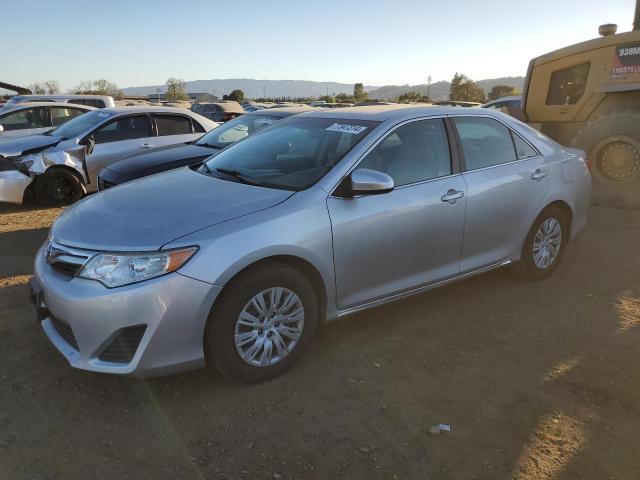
[612, 143]
[526, 267]
[58, 186]
[220, 349]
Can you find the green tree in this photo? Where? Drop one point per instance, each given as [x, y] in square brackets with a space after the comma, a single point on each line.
[464, 89]
[359, 94]
[499, 91]
[176, 90]
[409, 97]
[235, 95]
[345, 98]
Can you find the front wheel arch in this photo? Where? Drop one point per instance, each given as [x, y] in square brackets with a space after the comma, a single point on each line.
[298, 263]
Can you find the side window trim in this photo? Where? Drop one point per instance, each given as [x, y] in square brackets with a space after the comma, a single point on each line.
[463, 163]
[456, 166]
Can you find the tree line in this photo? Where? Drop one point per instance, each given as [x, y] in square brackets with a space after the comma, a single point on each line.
[462, 88]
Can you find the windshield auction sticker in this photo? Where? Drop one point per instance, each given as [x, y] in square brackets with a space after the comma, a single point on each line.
[625, 61]
[346, 128]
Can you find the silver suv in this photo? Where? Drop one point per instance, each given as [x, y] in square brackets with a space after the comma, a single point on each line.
[318, 216]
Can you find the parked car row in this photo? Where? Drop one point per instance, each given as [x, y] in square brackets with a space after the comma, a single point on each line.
[289, 222]
[30, 118]
[191, 153]
[63, 163]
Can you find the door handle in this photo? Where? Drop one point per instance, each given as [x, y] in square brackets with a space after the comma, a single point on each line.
[452, 196]
[147, 145]
[538, 175]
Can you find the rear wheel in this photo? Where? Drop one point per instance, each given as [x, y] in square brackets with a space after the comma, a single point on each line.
[58, 186]
[262, 323]
[544, 245]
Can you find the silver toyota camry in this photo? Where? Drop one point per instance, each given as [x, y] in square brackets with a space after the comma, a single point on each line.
[235, 263]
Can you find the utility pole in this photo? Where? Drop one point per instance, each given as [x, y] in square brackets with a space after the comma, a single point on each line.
[264, 92]
[428, 86]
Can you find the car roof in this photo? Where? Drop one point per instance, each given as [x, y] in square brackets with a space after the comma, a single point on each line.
[283, 112]
[22, 106]
[509, 97]
[61, 97]
[382, 113]
[144, 109]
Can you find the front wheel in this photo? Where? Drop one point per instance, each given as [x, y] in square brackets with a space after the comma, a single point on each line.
[262, 323]
[57, 186]
[544, 245]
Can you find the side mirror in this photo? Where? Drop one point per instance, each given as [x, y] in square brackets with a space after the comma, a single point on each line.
[370, 182]
[89, 144]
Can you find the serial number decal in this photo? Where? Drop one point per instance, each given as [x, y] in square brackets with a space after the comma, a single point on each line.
[346, 128]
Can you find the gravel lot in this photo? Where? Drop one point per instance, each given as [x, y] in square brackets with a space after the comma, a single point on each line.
[537, 380]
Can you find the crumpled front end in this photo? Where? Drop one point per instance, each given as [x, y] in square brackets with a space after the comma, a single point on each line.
[14, 180]
[71, 157]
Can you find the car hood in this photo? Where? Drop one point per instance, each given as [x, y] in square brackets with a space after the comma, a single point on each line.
[150, 212]
[160, 159]
[17, 146]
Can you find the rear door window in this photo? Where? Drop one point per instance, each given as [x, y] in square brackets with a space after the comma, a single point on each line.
[523, 149]
[60, 115]
[127, 128]
[26, 118]
[173, 125]
[485, 142]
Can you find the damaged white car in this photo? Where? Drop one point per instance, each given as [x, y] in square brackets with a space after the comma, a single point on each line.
[60, 166]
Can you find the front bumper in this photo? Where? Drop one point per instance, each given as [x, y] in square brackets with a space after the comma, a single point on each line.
[13, 185]
[173, 308]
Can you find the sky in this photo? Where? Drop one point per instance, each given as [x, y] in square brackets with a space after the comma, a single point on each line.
[377, 42]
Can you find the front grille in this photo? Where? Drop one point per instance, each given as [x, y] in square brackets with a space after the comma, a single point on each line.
[64, 330]
[124, 345]
[66, 260]
[69, 269]
[104, 184]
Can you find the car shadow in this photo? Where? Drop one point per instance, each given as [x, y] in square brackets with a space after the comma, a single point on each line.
[18, 249]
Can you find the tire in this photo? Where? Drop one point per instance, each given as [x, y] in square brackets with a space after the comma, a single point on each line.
[58, 186]
[612, 143]
[224, 332]
[527, 268]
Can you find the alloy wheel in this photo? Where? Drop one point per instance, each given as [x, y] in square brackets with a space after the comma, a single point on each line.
[269, 327]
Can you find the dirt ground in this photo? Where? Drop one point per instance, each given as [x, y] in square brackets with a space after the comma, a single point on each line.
[537, 381]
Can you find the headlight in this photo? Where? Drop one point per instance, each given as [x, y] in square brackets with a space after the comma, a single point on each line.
[118, 269]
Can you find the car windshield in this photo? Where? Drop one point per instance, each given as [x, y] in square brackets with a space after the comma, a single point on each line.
[293, 154]
[78, 125]
[236, 129]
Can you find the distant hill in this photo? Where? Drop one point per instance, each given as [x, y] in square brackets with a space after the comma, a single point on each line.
[304, 88]
[440, 90]
[255, 88]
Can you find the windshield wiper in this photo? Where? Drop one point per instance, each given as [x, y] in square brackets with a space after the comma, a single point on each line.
[209, 145]
[238, 176]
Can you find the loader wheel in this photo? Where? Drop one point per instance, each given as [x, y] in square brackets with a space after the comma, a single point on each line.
[613, 145]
